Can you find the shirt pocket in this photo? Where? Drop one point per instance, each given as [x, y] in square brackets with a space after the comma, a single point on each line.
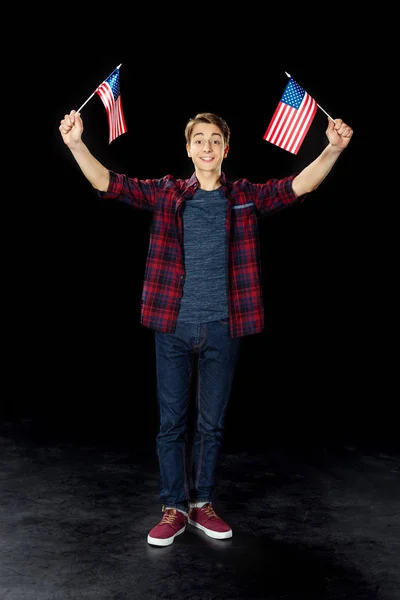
[244, 219]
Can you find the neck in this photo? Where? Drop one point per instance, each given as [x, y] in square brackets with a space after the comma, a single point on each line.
[208, 181]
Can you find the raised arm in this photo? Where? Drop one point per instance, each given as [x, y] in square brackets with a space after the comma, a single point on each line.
[71, 129]
[339, 135]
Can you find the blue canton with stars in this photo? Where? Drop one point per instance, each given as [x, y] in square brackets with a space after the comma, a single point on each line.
[113, 82]
[293, 94]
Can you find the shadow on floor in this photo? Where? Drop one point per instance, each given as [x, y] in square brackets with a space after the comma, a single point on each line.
[319, 524]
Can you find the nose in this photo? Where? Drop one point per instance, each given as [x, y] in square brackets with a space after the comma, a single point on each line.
[207, 146]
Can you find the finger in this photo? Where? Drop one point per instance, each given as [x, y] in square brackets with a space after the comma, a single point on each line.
[338, 125]
[345, 130]
[65, 125]
[66, 120]
[340, 128]
[348, 132]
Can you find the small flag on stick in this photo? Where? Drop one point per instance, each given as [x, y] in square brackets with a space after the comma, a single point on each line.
[110, 94]
[292, 118]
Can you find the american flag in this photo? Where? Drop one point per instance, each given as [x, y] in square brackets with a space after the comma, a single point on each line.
[110, 94]
[292, 118]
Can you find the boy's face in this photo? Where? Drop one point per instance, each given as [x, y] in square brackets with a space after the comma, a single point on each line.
[207, 147]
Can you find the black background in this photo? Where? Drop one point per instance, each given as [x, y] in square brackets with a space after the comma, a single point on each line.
[77, 361]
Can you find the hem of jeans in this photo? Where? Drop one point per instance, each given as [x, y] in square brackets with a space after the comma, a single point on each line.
[182, 510]
[196, 502]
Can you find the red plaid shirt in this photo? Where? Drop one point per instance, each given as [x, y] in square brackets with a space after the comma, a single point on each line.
[165, 268]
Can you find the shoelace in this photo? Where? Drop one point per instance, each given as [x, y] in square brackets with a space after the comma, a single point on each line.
[169, 517]
[210, 512]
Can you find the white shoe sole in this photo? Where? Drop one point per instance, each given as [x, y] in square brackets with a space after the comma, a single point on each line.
[216, 535]
[164, 542]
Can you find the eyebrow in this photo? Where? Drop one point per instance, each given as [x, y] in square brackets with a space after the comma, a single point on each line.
[214, 133]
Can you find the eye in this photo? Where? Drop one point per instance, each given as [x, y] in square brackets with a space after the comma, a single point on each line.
[217, 142]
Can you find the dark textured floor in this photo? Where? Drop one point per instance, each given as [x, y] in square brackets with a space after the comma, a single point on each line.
[320, 524]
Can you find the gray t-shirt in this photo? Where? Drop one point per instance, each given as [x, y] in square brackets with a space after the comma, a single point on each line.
[205, 292]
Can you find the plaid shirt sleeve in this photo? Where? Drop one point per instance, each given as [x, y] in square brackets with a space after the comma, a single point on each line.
[272, 196]
[137, 193]
[164, 271]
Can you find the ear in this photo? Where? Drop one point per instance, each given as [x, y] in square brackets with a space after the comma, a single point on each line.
[188, 151]
[226, 151]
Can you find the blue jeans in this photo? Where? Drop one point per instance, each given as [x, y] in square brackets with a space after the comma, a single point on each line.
[188, 474]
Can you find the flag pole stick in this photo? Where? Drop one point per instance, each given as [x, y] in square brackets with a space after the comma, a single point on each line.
[324, 111]
[91, 96]
[79, 109]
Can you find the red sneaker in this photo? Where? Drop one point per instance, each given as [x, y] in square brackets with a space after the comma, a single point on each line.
[173, 523]
[206, 519]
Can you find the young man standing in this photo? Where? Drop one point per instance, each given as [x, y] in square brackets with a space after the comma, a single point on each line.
[201, 294]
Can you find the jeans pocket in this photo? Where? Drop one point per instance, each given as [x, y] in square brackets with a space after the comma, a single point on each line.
[224, 321]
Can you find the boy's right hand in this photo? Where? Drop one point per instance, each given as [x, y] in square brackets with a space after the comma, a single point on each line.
[71, 128]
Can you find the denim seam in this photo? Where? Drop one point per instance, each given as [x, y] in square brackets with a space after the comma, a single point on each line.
[185, 480]
[198, 426]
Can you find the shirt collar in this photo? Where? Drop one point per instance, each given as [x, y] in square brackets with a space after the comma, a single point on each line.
[193, 182]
